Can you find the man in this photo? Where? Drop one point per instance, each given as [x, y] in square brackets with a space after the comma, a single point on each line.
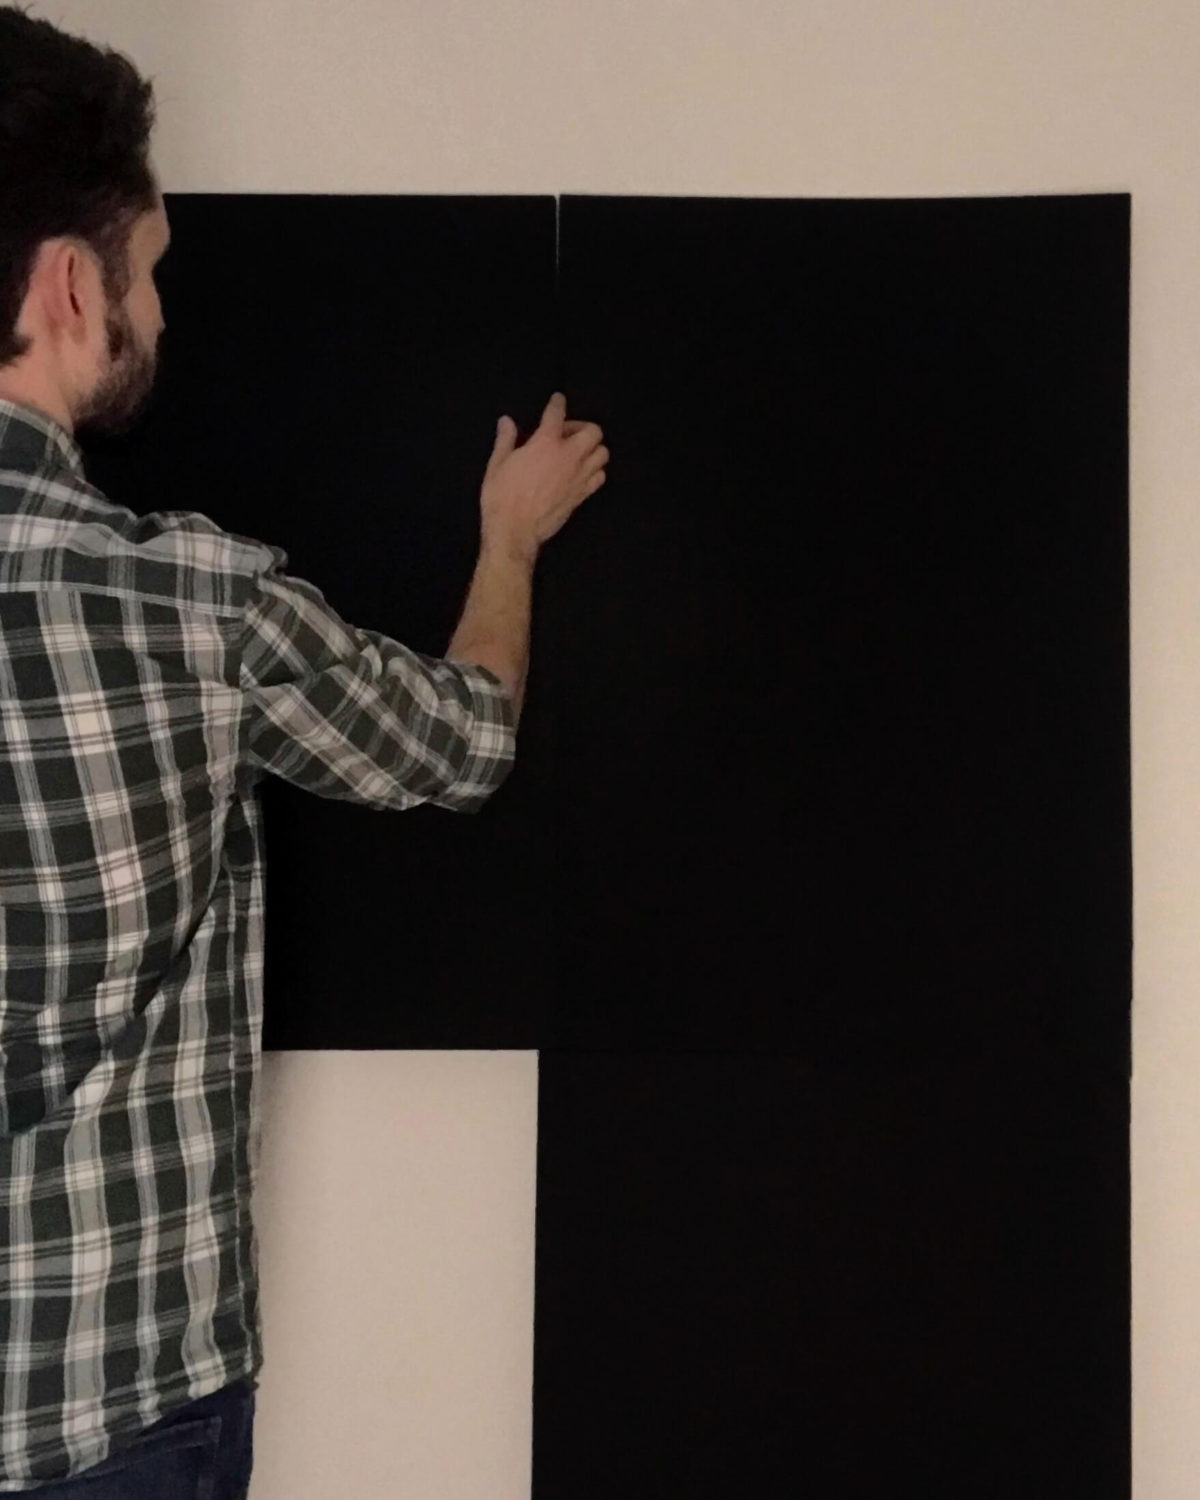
[152, 670]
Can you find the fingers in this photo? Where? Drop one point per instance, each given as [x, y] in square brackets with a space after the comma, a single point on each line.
[570, 427]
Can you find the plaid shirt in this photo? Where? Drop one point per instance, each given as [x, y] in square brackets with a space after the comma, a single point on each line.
[154, 669]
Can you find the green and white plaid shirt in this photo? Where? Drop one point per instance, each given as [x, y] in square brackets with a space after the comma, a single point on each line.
[152, 670]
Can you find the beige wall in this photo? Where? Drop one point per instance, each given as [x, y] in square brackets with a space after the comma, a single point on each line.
[412, 1375]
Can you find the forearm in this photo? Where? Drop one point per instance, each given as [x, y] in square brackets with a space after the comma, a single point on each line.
[493, 631]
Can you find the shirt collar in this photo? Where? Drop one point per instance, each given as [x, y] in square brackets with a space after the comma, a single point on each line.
[31, 440]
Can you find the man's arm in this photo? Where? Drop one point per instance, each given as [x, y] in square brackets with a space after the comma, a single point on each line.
[526, 496]
[494, 629]
[353, 714]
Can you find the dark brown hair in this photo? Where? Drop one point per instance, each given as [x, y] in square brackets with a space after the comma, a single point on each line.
[75, 124]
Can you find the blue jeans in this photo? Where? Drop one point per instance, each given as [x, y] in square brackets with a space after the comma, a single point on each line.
[202, 1451]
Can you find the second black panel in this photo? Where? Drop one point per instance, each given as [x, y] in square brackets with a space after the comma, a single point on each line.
[839, 655]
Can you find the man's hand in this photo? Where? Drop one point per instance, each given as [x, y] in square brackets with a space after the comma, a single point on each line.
[528, 492]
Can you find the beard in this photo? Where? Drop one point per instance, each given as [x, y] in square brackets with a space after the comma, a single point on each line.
[124, 390]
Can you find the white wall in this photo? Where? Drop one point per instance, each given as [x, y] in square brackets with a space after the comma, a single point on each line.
[414, 1379]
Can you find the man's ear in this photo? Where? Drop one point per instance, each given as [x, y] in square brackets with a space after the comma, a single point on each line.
[67, 281]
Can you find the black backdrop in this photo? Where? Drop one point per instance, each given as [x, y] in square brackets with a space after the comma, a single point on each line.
[812, 883]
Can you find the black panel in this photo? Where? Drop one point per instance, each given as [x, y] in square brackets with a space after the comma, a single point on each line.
[757, 1277]
[828, 705]
[331, 375]
[839, 655]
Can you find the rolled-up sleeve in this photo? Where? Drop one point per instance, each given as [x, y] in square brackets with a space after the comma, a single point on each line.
[352, 714]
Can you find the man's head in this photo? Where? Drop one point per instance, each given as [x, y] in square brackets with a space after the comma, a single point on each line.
[82, 226]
